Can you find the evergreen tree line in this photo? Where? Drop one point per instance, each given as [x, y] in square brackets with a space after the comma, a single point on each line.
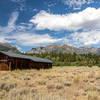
[65, 59]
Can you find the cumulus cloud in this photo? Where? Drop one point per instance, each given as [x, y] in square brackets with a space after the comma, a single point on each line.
[77, 4]
[33, 39]
[84, 38]
[27, 39]
[86, 19]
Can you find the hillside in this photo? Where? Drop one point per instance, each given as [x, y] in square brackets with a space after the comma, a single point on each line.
[7, 47]
[64, 48]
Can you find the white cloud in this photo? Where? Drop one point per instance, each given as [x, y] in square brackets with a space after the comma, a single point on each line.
[28, 39]
[33, 39]
[11, 26]
[3, 38]
[21, 35]
[86, 19]
[11, 23]
[12, 20]
[77, 4]
[84, 38]
[24, 26]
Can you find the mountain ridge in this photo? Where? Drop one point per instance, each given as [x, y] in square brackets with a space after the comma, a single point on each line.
[64, 48]
[7, 47]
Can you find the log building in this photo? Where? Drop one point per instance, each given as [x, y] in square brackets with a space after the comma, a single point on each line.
[12, 61]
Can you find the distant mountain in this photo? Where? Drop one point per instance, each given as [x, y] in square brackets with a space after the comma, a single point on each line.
[65, 48]
[88, 49]
[7, 47]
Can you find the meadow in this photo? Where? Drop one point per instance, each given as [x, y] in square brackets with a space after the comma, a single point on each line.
[58, 83]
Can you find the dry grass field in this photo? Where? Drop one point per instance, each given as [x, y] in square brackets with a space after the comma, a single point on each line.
[58, 83]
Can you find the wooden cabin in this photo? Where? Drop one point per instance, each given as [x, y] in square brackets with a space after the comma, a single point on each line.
[12, 61]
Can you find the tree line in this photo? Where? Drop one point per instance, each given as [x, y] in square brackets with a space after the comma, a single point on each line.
[65, 59]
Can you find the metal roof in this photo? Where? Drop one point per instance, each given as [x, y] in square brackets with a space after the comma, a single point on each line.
[33, 58]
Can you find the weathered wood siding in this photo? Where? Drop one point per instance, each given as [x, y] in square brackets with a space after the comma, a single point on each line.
[4, 67]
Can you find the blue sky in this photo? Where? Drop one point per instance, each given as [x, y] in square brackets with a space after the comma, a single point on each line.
[31, 23]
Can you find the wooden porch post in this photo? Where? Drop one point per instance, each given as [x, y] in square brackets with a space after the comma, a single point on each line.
[16, 63]
[9, 66]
